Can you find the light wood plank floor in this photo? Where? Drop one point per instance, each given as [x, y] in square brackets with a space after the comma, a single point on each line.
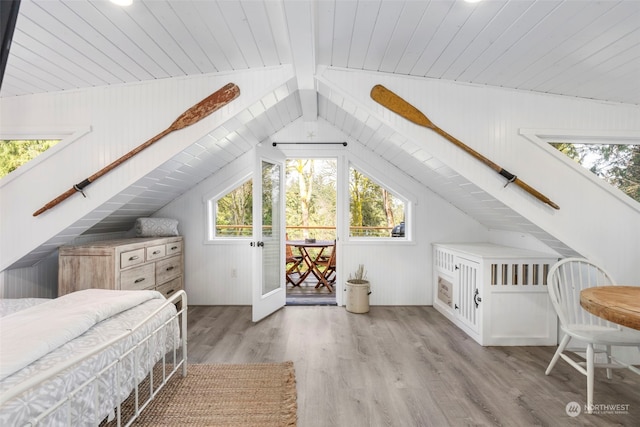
[405, 366]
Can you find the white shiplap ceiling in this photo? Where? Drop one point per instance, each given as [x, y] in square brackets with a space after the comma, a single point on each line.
[587, 49]
[575, 48]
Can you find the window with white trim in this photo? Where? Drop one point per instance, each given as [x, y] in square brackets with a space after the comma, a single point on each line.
[14, 153]
[374, 210]
[231, 214]
[616, 164]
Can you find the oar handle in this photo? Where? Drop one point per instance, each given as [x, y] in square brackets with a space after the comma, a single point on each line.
[55, 201]
[526, 187]
[511, 178]
[466, 148]
[129, 155]
[80, 186]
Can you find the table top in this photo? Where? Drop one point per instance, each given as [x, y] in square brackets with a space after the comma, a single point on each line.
[618, 304]
[316, 244]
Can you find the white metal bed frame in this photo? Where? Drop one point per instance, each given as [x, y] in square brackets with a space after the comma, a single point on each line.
[178, 360]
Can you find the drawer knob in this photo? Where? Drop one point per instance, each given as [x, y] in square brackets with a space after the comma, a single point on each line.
[133, 258]
[156, 252]
[170, 268]
[171, 291]
[139, 280]
[173, 248]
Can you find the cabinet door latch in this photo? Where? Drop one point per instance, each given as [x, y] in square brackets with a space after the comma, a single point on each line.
[476, 297]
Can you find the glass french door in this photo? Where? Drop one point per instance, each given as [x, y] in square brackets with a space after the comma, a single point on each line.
[269, 285]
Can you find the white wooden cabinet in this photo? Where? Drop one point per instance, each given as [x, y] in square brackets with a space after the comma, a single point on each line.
[127, 264]
[496, 294]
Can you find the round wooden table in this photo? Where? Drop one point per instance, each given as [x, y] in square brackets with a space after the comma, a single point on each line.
[617, 304]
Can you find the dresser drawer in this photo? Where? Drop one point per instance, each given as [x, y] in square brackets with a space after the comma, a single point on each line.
[169, 268]
[142, 277]
[173, 248]
[171, 287]
[131, 258]
[155, 252]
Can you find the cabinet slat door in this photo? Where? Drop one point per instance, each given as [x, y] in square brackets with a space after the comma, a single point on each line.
[468, 286]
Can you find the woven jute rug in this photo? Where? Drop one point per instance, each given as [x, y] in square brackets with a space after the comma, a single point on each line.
[226, 395]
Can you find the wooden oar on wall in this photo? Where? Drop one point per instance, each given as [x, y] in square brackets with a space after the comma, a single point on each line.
[202, 109]
[393, 102]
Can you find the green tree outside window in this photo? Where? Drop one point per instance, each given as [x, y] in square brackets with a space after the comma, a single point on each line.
[15, 153]
[617, 164]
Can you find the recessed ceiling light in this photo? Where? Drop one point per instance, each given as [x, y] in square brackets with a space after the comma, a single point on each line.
[122, 2]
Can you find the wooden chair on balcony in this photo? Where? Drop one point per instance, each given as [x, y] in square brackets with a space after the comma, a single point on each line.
[327, 268]
[294, 274]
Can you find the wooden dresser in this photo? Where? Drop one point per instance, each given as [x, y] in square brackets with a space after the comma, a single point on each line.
[127, 264]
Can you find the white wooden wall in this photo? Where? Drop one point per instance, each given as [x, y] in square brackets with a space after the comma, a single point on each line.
[120, 118]
[487, 119]
[594, 222]
[400, 272]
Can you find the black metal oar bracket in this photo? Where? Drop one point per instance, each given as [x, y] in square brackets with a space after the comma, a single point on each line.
[80, 187]
[510, 177]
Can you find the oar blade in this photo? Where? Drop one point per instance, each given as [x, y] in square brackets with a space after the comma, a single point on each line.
[393, 102]
[211, 103]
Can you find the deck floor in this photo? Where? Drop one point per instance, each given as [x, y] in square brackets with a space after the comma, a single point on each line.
[308, 294]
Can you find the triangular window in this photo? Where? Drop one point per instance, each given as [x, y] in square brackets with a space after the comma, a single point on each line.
[374, 210]
[14, 153]
[617, 164]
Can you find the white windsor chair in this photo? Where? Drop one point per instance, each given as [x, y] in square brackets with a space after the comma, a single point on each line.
[564, 282]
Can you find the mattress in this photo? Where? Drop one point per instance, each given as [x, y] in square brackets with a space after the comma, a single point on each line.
[10, 306]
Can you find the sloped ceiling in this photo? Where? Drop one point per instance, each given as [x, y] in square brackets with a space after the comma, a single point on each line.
[574, 48]
[579, 49]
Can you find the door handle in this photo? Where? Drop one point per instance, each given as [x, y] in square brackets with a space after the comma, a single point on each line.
[476, 298]
[260, 244]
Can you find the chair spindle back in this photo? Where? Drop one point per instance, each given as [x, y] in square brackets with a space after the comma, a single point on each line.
[565, 281]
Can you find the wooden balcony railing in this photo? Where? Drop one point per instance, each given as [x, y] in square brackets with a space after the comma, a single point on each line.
[298, 232]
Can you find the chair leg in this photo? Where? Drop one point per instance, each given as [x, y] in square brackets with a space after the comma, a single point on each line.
[590, 374]
[609, 370]
[556, 356]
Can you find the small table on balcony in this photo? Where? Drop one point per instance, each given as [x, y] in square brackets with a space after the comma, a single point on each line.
[617, 304]
[310, 260]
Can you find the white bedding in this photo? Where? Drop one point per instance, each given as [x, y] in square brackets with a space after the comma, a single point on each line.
[10, 306]
[87, 409]
[25, 337]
